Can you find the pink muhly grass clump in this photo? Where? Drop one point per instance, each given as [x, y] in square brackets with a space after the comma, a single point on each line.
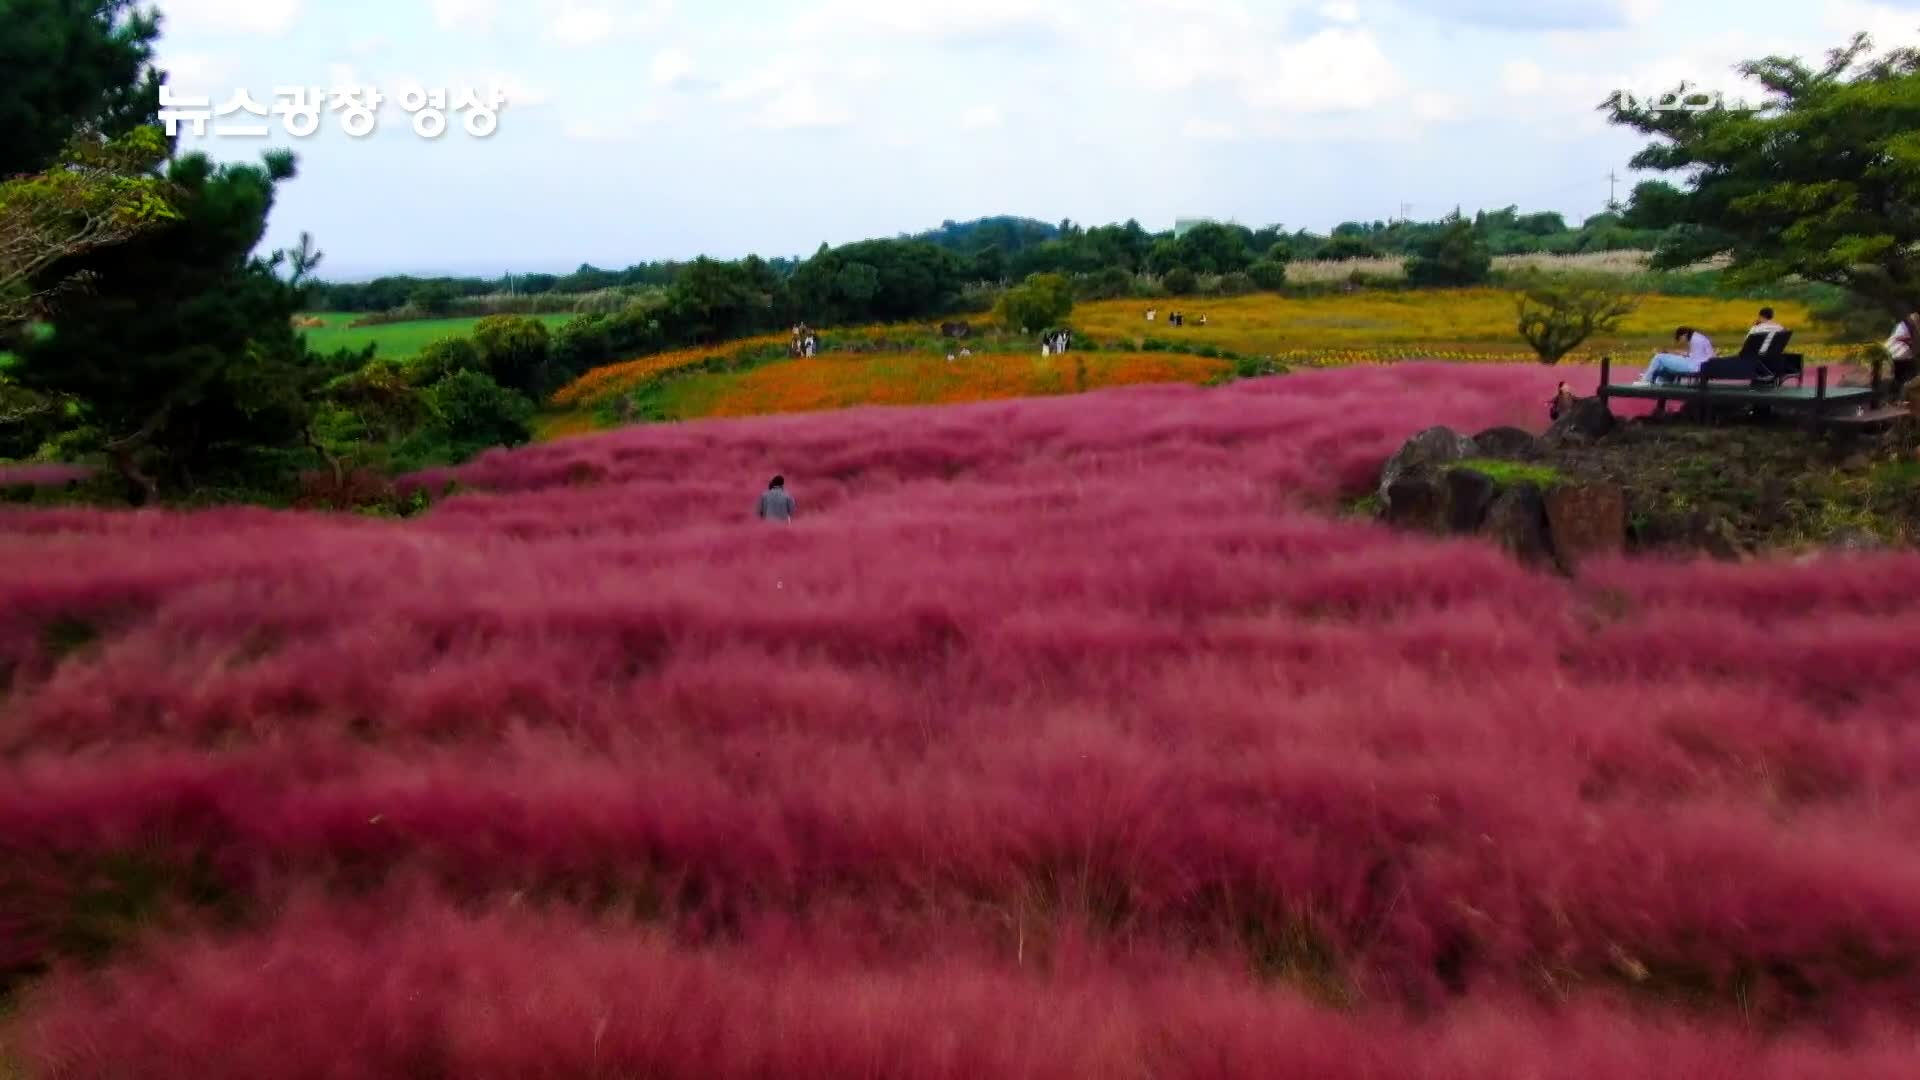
[48, 475]
[412, 988]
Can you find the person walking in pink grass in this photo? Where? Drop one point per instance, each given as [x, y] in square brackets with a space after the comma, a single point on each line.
[775, 503]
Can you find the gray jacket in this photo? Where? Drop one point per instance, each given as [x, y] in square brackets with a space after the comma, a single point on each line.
[776, 505]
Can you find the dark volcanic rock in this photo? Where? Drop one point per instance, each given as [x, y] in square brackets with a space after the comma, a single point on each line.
[1517, 520]
[1417, 501]
[1586, 520]
[1508, 444]
[1469, 494]
[1428, 451]
[1588, 419]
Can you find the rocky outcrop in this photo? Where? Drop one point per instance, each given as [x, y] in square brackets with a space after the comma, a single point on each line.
[1586, 521]
[1508, 444]
[1470, 493]
[1416, 501]
[1587, 420]
[1727, 490]
[1424, 455]
[1517, 521]
[1428, 487]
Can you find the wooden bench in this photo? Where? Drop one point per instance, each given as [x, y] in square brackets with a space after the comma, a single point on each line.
[1820, 400]
[1763, 361]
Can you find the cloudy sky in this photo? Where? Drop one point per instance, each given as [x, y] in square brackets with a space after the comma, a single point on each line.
[650, 129]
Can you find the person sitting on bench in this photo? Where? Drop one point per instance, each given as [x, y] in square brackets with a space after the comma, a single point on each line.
[1671, 365]
[1767, 327]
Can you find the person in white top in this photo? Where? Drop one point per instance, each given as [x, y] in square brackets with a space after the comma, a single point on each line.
[1900, 348]
[1699, 351]
[1900, 345]
[1766, 326]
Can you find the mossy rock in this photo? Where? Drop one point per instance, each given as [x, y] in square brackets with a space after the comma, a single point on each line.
[1509, 474]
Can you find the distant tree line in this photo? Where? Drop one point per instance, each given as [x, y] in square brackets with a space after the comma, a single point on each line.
[906, 277]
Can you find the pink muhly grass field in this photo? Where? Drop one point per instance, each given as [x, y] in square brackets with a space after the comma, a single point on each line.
[42, 475]
[1063, 737]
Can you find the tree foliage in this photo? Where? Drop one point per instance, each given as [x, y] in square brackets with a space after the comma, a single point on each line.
[1821, 181]
[515, 351]
[72, 67]
[184, 357]
[96, 194]
[1038, 303]
[1558, 312]
[1454, 255]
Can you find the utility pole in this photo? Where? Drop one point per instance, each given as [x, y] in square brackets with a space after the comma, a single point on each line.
[1613, 204]
[1405, 208]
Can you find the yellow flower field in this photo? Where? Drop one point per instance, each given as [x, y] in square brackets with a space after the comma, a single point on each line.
[897, 364]
[1426, 323]
[837, 381]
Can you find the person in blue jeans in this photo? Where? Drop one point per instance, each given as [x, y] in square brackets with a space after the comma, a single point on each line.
[1670, 364]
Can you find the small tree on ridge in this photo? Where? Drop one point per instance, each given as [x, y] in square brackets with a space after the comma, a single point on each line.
[1557, 313]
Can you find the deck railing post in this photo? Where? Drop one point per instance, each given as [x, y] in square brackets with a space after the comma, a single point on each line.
[1820, 385]
[1877, 401]
[1606, 377]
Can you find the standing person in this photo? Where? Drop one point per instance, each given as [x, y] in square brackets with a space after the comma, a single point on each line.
[1699, 351]
[775, 503]
[1900, 349]
[1561, 404]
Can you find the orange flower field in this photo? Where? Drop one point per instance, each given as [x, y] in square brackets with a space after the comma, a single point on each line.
[837, 381]
[601, 382]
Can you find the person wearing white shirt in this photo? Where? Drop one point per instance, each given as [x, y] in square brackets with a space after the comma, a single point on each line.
[1900, 348]
[1766, 326]
[1699, 351]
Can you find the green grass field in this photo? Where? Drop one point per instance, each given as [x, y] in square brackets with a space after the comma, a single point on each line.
[397, 341]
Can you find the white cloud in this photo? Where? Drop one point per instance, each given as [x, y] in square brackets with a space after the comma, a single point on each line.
[623, 128]
[1888, 25]
[198, 73]
[981, 117]
[671, 67]
[1210, 130]
[369, 46]
[519, 93]
[581, 24]
[801, 89]
[1334, 70]
[941, 22]
[342, 76]
[474, 15]
[802, 106]
[230, 16]
[1184, 45]
[1430, 105]
[1521, 77]
[1345, 11]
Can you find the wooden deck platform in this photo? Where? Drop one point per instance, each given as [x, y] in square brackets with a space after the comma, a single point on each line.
[1802, 396]
[1821, 402]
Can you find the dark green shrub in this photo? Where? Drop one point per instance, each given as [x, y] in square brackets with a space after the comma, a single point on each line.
[1268, 274]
